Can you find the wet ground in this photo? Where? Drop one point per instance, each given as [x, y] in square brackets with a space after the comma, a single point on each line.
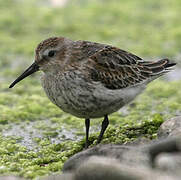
[29, 133]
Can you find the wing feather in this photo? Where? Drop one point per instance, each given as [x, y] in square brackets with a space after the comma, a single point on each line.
[116, 68]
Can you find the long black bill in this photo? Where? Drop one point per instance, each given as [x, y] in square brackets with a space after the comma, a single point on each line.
[33, 68]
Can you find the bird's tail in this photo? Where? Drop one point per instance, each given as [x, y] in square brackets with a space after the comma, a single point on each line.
[158, 68]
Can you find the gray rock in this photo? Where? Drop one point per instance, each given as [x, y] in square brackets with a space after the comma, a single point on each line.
[171, 127]
[170, 162]
[119, 152]
[101, 168]
[98, 168]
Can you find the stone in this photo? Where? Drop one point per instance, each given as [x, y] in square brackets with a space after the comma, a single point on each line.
[171, 127]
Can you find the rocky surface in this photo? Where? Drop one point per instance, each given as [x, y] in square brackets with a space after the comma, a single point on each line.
[171, 127]
[98, 168]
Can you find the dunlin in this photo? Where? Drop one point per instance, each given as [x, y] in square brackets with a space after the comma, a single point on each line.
[91, 80]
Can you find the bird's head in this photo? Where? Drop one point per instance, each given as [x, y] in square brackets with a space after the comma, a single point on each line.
[50, 57]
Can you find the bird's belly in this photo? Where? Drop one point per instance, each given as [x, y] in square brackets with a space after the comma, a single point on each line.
[85, 100]
[87, 106]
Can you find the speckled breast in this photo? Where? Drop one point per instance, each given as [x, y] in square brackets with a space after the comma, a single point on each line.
[83, 99]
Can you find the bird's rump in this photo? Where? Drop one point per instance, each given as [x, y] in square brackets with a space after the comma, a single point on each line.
[116, 68]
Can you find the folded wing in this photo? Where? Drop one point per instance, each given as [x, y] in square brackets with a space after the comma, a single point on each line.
[116, 68]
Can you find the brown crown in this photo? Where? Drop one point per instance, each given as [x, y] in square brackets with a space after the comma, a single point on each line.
[50, 42]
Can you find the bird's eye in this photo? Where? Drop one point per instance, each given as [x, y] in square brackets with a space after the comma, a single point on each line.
[51, 53]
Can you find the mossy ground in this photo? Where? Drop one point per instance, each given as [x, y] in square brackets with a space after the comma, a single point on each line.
[36, 137]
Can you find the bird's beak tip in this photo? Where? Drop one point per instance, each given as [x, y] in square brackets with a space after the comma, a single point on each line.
[33, 68]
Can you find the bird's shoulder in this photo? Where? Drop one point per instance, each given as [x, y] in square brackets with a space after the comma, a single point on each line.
[85, 49]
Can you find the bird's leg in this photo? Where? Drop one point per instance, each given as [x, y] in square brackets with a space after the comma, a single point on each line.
[105, 124]
[87, 124]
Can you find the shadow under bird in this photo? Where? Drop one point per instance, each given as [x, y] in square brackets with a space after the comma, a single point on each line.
[91, 80]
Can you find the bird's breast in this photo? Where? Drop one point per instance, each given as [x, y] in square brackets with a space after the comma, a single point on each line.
[77, 96]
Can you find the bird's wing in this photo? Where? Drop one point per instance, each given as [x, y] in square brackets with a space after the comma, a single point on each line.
[116, 68]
